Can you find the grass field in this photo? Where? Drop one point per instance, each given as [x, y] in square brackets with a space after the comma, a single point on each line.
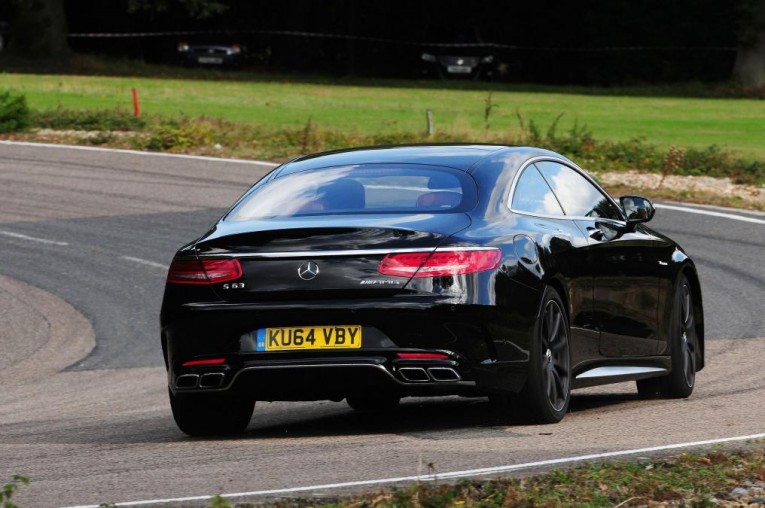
[737, 125]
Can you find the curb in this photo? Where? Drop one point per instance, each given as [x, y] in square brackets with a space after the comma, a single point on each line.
[70, 336]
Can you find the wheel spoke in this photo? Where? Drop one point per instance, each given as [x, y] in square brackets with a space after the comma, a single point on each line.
[558, 381]
[547, 336]
[689, 364]
[560, 344]
[552, 394]
[556, 326]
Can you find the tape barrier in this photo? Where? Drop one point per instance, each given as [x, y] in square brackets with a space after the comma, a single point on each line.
[381, 40]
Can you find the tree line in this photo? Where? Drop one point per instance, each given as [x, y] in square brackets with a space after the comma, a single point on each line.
[589, 41]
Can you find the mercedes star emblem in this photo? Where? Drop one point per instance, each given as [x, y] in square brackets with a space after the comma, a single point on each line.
[308, 271]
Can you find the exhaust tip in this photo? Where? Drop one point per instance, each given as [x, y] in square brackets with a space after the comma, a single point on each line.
[211, 380]
[187, 381]
[414, 374]
[444, 374]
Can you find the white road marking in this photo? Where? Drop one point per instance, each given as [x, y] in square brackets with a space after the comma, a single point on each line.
[145, 262]
[32, 238]
[443, 476]
[273, 164]
[711, 212]
[138, 152]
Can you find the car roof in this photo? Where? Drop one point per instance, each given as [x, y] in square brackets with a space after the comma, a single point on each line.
[457, 156]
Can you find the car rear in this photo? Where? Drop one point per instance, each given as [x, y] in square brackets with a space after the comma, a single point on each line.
[335, 282]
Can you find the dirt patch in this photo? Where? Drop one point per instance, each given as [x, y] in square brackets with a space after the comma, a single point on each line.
[687, 188]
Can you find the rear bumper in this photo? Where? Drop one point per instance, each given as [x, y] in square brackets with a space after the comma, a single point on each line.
[486, 345]
[328, 378]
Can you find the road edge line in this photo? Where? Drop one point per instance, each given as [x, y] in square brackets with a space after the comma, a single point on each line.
[448, 475]
[274, 164]
[138, 152]
[711, 213]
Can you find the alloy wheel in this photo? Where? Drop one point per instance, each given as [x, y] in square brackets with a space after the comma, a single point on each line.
[555, 356]
[686, 327]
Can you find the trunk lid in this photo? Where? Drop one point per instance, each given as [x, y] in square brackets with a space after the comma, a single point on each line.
[322, 257]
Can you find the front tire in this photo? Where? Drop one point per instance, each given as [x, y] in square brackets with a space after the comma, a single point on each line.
[547, 393]
[684, 344]
[211, 414]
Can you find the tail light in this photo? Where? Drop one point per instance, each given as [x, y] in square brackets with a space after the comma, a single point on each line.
[205, 271]
[440, 263]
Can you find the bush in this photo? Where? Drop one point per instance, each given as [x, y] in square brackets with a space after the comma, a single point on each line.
[96, 120]
[183, 133]
[14, 112]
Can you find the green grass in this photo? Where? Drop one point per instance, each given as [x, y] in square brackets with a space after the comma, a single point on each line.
[380, 107]
[690, 480]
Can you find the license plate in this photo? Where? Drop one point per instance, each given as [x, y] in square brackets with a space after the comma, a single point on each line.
[309, 337]
[209, 60]
[459, 69]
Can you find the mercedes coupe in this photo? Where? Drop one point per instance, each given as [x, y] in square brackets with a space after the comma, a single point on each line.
[380, 273]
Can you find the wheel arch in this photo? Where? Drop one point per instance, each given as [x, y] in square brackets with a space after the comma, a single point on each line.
[560, 288]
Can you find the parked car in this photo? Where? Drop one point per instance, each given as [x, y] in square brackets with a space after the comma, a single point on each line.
[459, 66]
[219, 55]
[380, 273]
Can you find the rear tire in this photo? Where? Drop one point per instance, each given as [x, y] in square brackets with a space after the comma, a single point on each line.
[548, 390]
[211, 414]
[547, 393]
[684, 344]
[373, 403]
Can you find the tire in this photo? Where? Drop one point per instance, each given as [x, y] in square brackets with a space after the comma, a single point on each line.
[684, 344]
[211, 414]
[547, 393]
[373, 403]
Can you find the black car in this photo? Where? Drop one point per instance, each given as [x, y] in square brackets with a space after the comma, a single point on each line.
[215, 55]
[459, 66]
[379, 273]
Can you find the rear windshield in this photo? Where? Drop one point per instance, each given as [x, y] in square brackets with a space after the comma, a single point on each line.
[359, 189]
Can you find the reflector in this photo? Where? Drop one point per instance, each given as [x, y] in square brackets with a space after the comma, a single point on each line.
[423, 356]
[210, 361]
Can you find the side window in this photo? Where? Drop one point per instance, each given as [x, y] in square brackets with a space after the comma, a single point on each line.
[533, 195]
[576, 194]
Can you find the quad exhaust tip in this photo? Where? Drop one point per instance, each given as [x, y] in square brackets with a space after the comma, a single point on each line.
[187, 381]
[207, 380]
[414, 374]
[443, 374]
[435, 374]
[211, 380]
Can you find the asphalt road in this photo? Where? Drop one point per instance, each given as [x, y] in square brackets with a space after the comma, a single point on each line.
[85, 238]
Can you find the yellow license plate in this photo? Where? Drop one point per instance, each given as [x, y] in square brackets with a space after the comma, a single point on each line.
[309, 337]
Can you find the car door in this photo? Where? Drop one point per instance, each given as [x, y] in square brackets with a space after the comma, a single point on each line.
[563, 243]
[622, 262]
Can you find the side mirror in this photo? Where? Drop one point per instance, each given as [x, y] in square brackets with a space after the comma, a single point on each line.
[637, 209]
